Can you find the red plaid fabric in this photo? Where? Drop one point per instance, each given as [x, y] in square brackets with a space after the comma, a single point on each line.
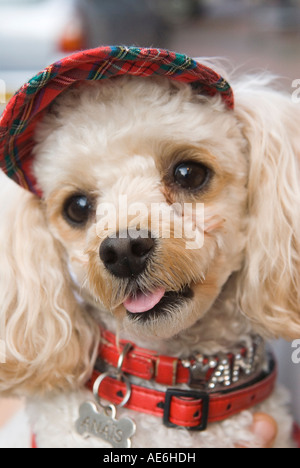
[25, 109]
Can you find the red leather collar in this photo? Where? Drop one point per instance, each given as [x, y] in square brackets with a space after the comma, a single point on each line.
[165, 370]
[189, 408]
[296, 434]
[143, 363]
[192, 408]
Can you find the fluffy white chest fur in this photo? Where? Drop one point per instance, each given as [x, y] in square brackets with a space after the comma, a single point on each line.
[53, 421]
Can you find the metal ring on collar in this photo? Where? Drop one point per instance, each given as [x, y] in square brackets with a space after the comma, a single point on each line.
[96, 388]
[123, 354]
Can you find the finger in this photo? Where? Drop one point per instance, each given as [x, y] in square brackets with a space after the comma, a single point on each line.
[265, 428]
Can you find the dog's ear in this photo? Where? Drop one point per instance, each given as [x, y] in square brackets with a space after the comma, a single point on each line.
[46, 341]
[269, 284]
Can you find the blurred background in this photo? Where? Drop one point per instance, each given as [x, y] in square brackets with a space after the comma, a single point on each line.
[252, 34]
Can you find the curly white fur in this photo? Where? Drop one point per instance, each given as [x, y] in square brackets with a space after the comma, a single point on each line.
[120, 137]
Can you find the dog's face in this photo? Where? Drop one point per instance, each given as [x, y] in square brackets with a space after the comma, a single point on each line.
[145, 187]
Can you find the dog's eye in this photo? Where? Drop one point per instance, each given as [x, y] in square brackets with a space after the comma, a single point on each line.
[191, 175]
[77, 210]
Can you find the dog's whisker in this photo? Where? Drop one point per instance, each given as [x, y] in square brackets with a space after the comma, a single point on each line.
[213, 223]
[81, 258]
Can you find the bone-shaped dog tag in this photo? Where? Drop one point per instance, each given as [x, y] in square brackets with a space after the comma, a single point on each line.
[103, 426]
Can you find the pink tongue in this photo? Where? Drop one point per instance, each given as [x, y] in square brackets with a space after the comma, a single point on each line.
[142, 302]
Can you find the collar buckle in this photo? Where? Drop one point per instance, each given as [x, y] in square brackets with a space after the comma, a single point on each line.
[203, 398]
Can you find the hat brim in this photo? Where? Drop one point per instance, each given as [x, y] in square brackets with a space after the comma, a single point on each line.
[25, 109]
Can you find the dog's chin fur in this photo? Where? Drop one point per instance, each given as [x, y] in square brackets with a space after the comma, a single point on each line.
[124, 137]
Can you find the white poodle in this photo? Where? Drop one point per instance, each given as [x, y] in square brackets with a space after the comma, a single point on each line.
[163, 214]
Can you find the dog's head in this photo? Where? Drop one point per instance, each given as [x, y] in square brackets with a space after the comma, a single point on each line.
[153, 197]
[145, 187]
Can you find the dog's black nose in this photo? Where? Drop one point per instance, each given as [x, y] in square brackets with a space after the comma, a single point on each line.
[125, 256]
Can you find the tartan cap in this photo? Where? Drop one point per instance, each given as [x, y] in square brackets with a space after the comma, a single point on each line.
[27, 107]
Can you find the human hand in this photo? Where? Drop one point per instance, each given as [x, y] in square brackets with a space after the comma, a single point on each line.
[265, 428]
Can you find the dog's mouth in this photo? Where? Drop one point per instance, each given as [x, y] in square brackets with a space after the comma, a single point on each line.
[147, 306]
